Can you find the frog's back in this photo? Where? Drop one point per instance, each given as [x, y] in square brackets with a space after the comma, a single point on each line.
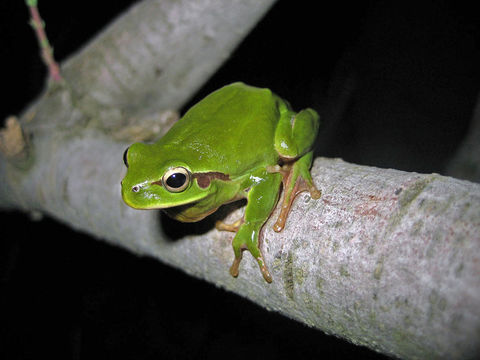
[230, 130]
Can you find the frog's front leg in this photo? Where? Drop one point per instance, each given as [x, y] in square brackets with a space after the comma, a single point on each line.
[262, 198]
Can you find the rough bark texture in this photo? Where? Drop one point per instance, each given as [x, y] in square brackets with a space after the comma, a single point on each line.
[386, 259]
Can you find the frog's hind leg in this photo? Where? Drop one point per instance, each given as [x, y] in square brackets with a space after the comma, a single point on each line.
[296, 133]
[296, 179]
[294, 139]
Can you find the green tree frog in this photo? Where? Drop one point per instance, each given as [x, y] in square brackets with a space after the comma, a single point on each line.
[238, 142]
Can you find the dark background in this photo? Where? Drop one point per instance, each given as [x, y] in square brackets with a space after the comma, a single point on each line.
[395, 83]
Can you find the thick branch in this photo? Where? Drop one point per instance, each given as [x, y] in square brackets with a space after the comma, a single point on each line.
[386, 259]
[159, 53]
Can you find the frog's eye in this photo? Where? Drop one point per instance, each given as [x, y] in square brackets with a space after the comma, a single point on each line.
[176, 179]
[125, 157]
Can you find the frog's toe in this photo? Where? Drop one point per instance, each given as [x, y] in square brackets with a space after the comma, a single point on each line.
[220, 225]
[314, 192]
[264, 269]
[234, 268]
[266, 274]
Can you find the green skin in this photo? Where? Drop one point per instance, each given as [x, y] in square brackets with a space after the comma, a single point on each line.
[227, 147]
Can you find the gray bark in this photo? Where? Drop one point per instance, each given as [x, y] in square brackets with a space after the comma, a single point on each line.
[385, 259]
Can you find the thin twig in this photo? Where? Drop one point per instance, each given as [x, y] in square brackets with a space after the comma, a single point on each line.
[47, 51]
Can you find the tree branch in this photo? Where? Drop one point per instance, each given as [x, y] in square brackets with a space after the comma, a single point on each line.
[159, 53]
[385, 259]
[43, 43]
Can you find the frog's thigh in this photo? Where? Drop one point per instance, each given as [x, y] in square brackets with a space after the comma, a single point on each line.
[296, 133]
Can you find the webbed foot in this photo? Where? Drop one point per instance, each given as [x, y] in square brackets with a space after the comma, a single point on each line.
[296, 179]
[263, 268]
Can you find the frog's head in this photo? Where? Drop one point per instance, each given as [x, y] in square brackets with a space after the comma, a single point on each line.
[155, 183]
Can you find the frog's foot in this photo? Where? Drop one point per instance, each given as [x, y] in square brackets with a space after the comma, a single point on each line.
[220, 225]
[263, 268]
[296, 179]
[299, 187]
[250, 243]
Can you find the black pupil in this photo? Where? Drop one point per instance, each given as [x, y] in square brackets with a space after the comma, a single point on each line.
[176, 180]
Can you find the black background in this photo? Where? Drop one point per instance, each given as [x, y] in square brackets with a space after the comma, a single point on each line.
[414, 74]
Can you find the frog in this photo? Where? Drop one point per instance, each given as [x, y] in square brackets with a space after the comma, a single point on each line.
[239, 142]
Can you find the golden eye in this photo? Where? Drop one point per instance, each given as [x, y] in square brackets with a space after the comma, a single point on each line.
[176, 179]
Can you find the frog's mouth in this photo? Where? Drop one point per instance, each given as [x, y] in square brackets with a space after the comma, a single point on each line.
[183, 205]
